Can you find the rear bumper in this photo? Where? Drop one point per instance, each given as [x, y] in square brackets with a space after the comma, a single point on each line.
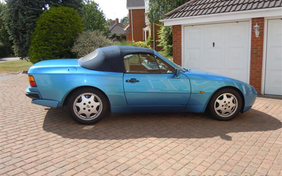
[36, 99]
[44, 102]
[32, 95]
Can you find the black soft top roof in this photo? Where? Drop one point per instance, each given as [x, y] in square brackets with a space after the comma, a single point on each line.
[110, 58]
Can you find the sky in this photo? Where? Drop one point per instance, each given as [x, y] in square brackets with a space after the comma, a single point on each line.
[113, 8]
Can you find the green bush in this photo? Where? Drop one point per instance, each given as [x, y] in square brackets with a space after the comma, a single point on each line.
[140, 44]
[55, 34]
[165, 39]
[123, 42]
[129, 43]
[88, 41]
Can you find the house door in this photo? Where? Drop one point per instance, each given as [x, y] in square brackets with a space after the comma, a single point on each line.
[273, 73]
[218, 48]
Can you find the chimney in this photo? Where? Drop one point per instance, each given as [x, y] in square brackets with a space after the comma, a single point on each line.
[117, 22]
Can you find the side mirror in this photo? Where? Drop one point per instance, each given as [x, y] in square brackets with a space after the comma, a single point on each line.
[176, 73]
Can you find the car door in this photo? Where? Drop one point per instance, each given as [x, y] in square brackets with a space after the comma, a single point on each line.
[150, 82]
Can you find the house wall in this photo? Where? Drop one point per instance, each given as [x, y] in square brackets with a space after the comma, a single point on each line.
[137, 16]
[257, 55]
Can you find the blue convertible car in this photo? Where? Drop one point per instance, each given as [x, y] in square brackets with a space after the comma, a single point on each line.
[132, 79]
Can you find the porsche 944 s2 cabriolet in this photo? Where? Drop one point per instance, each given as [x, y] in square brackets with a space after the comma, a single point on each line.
[132, 79]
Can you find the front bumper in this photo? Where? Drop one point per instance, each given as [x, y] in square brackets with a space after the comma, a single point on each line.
[250, 98]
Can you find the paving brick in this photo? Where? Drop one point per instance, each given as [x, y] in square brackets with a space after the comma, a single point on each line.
[35, 141]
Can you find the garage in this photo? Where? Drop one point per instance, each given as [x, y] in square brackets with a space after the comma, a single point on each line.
[218, 48]
[237, 39]
[273, 65]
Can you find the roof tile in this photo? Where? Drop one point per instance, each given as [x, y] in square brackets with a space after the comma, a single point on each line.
[208, 7]
[272, 3]
[266, 4]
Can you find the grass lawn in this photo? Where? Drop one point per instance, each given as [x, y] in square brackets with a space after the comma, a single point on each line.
[13, 66]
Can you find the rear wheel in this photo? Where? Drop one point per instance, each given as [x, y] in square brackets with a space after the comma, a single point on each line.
[87, 105]
[225, 104]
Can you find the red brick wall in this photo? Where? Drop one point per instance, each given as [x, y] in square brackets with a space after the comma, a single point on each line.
[138, 16]
[257, 55]
[177, 42]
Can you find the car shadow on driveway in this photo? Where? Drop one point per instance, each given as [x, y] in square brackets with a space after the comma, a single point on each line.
[160, 125]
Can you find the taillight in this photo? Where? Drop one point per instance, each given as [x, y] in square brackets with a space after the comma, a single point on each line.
[32, 81]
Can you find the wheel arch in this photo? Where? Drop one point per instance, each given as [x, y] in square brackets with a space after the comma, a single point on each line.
[65, 100]
[228, 87]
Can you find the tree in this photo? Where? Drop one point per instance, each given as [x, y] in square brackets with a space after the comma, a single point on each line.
[75, 4]
[125, 20]
[88, 41]
[55, 33]
[93, 18]
[5, 43]
[21, 16]
[157, 10]
[165, 39]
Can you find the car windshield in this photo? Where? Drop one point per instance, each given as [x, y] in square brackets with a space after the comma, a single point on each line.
[170, 62]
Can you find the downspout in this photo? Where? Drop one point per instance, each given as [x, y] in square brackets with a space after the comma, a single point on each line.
[154, 42]
[132, 39]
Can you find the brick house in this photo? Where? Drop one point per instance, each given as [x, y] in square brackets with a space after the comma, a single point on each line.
[139, 28]
[136, 13]
[118, 30]
[240, 39]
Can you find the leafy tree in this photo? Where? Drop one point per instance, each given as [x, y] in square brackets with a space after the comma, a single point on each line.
[21, 16]
[75, 4]
[55, 33]
[93, 18]
[157, 10]
[88, 41]
[140, 44]
[20, 19]
[125, 20]
[165, 39]
[5, 44]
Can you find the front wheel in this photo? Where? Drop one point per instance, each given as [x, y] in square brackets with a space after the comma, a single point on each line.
[87, 106]
[225, 104]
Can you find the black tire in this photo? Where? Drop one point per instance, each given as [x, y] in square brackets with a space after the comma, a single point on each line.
[87, 109]
[225, 104]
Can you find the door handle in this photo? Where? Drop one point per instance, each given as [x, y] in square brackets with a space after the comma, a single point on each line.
[132, 80]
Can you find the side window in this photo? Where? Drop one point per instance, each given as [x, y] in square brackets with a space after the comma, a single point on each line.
[164, 67]
[140, 63]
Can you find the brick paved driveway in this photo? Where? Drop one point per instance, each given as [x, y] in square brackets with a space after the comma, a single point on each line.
[39, 141]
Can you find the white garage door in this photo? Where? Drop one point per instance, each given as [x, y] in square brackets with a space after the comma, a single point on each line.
[273, 75]
[218, 48]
